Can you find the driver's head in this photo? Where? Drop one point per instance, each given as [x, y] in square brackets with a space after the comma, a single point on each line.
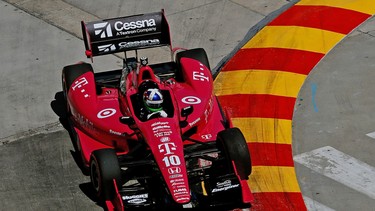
[153, 99]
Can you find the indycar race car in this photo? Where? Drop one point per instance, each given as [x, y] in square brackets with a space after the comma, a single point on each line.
[153, 136]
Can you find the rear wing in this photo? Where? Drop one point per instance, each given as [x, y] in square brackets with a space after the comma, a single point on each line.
[126, 33]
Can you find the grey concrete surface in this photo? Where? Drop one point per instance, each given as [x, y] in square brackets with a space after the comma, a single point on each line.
[39, 173]
[33, 55]
[342, 116]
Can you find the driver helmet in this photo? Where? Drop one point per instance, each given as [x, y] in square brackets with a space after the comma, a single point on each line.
[153, 99]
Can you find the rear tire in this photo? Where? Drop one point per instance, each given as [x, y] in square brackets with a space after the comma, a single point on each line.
[104, 167]
[233, 145]
[198, 54]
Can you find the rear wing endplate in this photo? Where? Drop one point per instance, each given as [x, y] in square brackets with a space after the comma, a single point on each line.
[126, 33]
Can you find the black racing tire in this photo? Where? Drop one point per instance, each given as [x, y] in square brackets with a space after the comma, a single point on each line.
[197, 54]
[104, 167]
[233, 145]
[69, 74]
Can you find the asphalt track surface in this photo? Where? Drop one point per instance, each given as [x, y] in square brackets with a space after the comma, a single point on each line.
[38, 171]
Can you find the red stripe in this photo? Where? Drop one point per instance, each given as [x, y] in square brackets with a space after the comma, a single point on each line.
[321, 17]
[278, 201]
[258, 105]
[289, 60]
[270, 154]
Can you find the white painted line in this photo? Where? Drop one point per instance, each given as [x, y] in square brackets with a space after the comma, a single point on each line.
[371, 135]
[341, 168]
[312, 205]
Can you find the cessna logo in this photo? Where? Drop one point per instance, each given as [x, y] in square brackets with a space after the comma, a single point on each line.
[106, 48]
[103, 29]
[120, 26]
[174, 170]
[140, 43]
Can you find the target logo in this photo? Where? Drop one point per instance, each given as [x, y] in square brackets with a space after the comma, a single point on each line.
[106, 113]
[191, 100]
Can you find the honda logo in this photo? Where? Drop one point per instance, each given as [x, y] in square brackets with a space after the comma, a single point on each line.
[174, 170]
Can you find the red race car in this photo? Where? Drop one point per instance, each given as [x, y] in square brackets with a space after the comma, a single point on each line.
[153, 136]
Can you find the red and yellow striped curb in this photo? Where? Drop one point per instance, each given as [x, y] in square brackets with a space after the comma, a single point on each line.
[260, 84]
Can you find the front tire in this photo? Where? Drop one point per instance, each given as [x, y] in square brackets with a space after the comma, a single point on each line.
[104, 167]
[233, 145]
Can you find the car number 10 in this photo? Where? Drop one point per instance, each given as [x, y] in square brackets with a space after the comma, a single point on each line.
[173, 160]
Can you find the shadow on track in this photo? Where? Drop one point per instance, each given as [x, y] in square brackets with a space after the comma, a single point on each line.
[59, 107]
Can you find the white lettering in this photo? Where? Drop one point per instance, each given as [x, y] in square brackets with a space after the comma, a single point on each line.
[120, 26]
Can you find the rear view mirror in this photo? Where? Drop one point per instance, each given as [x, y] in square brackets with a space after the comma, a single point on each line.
[127, 120]
[187, 111]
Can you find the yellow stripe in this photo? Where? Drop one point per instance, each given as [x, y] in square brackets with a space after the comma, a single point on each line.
[295, 37]
[259, 82]
[273, 179]
[364, 6]
[265, 130]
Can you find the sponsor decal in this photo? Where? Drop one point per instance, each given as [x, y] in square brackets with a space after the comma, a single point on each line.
[206, 136]
[192, 100]
[141, 43]
[159, 123]
[165, 139]
[178, 183]
[167, 148]
[115, 132]
[103, 29]
[105, 113]
[161, 129]
[78, 84]
[106, 48]
[194, 122]
[180, 193]
[161, 134]
[199, 76]
[180, 190]
[84, 122]
[174, 170]
[182, 199]
[181, 186]
[176, 180]
[223, 184]
[136, 199]
[224, 188]
[188, 205]
[175, 176]
[120, 26]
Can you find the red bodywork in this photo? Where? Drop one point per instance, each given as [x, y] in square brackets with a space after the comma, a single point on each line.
[96, 119]
[96, 110]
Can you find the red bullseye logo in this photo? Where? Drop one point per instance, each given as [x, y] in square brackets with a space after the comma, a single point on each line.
[105, 113]
[191, 100]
